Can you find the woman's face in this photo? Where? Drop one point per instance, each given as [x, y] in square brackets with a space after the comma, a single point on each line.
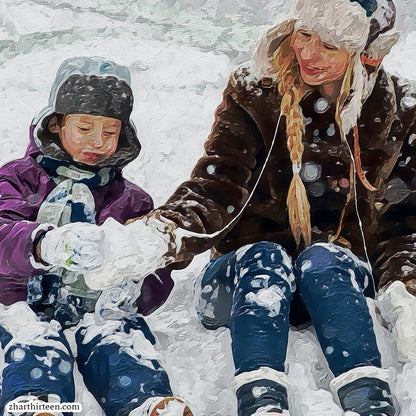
[319, 62]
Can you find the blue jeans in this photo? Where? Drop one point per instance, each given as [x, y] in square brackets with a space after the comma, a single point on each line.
[258, 292]
[115, 370]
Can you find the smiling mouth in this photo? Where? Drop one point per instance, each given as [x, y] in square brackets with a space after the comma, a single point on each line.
[313, 70]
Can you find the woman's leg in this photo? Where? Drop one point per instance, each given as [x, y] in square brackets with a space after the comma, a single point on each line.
[251, 289]
[120, 368]
[214, 292]
[332, 282]
[259, 321]
[37, 358]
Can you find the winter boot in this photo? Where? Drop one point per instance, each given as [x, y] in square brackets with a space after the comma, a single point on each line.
[262, 392]
[162, 406]
[365, 391]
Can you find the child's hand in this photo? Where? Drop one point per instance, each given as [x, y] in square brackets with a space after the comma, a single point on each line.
[76, 246]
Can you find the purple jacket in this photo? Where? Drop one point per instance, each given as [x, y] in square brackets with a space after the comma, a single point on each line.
[23, 187]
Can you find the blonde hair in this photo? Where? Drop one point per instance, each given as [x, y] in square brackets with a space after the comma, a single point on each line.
[292, 89]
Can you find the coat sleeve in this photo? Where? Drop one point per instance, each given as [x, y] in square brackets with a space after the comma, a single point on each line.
[19, 231]
[396, 253]
[220, 182]
[122, 200]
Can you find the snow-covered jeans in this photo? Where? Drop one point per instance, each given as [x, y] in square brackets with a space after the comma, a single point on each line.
[257, 292]
[116, 359]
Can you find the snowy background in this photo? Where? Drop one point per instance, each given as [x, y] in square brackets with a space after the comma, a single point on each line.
[180, 53]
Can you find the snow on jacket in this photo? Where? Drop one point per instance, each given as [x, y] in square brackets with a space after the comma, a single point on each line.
[24, 185]
[235, 153]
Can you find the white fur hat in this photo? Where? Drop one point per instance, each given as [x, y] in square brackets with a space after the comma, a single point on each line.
[362, 27]
[339, 22]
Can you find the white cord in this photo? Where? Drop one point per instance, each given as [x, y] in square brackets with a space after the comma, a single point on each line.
[358, 214]
[187, 233]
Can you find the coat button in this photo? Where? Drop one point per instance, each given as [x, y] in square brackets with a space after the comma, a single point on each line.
[124, 381]
[316, 189]
[344, 183]
[311, 172]
[331, 130]
[65, 366]
[321, 105]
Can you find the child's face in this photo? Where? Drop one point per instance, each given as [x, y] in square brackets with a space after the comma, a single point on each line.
[89, 139]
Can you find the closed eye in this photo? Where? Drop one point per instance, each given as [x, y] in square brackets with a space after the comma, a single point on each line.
[329, 46]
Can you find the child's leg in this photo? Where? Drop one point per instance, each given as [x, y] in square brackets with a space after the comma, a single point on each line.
[37, 357]
[119, 364]
[332, 282]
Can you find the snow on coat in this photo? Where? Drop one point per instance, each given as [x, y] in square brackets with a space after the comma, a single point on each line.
[235, 153]
[24, 185]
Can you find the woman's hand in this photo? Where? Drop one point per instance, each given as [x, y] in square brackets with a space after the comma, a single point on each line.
[132, 251]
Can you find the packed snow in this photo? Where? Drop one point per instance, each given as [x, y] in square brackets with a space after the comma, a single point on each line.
[180, 53]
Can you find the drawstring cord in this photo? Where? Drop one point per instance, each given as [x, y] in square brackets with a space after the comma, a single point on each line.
[357, 157]
[187, 233]
[354, 162]
[354, 184]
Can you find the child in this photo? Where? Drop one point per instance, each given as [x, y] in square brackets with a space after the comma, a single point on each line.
[69, 179]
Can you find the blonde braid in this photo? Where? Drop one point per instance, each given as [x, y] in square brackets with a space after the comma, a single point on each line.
[284, 64]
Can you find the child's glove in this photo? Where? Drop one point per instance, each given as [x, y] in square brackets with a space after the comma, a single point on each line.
[76, 246]
[133, 251]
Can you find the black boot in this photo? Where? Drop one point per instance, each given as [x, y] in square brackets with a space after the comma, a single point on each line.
[368, 397]
[266, 394]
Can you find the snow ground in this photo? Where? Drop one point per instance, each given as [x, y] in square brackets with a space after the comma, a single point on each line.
[180, 53]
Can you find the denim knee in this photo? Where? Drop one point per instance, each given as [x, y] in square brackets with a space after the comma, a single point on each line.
[216, 284]
[260, 249]
[214, 291]
[327, 260]
[262, 263]
[261, 305]
[331, 280]
[314, 257]
[262, 255]
[118, 363]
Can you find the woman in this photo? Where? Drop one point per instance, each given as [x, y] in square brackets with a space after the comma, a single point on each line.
[305, 195]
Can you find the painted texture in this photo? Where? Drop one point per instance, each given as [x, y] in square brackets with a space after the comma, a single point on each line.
[180, 66]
